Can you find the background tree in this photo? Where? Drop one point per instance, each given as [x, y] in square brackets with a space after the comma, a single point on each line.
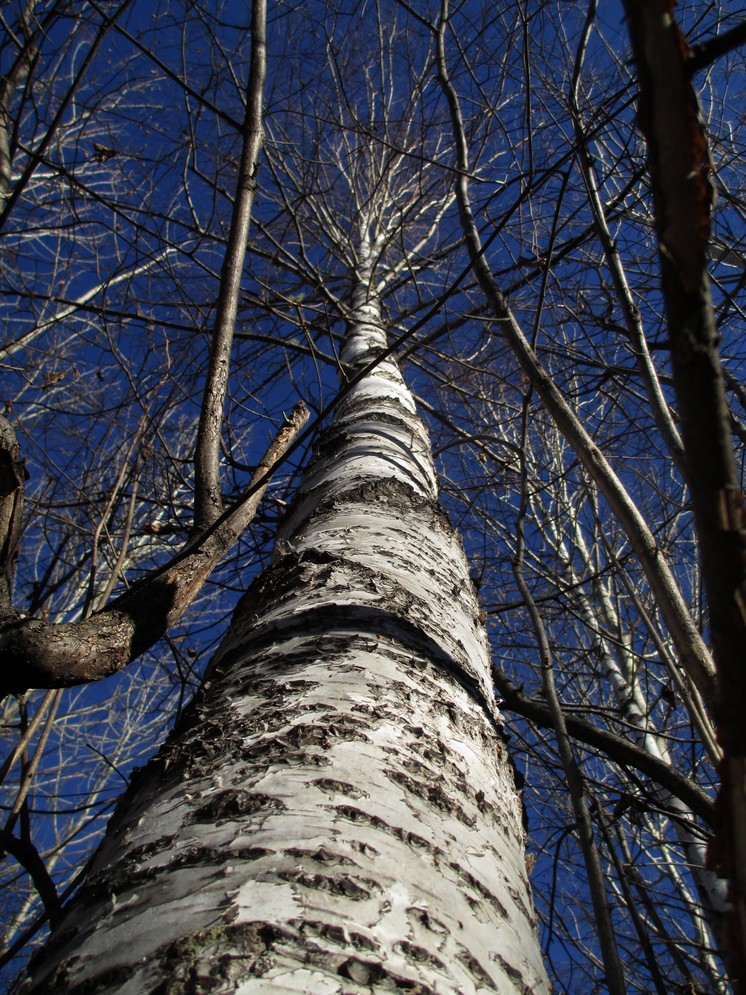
[556, 184]
[683, 194]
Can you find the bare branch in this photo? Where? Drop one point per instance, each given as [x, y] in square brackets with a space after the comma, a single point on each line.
[12, 477]
[34, 653]
[693, 652]
[28, 857]
[208, 503]
[619, 749]
[683, 191]
[37, 154]
[704, 54]
[599, 897]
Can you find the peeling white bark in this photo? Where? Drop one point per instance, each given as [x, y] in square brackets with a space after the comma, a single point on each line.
[336, 812]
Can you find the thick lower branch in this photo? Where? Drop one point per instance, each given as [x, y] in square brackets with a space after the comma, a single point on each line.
[38, 654]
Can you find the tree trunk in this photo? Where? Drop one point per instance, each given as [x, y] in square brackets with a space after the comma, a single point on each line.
[336, 811]
[683, 195]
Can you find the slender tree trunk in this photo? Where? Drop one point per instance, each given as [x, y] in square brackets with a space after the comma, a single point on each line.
[336, 812]
[683, 196]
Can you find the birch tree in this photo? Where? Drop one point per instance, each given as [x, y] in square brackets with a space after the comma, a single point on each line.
[339, 800]
[383, 841]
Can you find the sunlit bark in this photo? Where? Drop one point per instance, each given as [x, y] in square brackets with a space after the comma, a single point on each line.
[338, 802]
[110, 264]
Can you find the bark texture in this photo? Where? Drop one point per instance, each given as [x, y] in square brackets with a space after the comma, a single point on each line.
[336, 811]
[12, 479]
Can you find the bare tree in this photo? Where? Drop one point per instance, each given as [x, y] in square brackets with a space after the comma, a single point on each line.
[355, 817]
[534, 347]
[683, 191]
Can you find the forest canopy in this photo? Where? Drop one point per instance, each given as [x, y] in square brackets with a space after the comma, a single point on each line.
[498, 157]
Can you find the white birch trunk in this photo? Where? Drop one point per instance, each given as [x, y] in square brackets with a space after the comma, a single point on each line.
[336, 812]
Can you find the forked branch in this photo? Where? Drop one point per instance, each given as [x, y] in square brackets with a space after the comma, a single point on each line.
[693, 653]
[35, 653]
[208, 504]
[38, 654]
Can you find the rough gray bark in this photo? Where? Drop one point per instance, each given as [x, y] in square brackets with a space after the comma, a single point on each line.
[12, 479]
[336, 812]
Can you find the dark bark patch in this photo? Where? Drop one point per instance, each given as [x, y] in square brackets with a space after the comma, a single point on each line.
[415, 954]
[358, 889]
[476, 885]
[204, 961]
[333, 786]
[427, 920]
[340, 936]
[416, 765]
[475, 969]
[63, 980]
[251, 853]
[387, 491]
[289, 745]
[373, 712]
[514, 974]
[433, 794]
[321, 855]
[199, 856]
[344, 729]
[378, 978]
[375, 822]
[488, 809]
[233, 803]
[366, 849]
[198, 739]
[150, 849]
